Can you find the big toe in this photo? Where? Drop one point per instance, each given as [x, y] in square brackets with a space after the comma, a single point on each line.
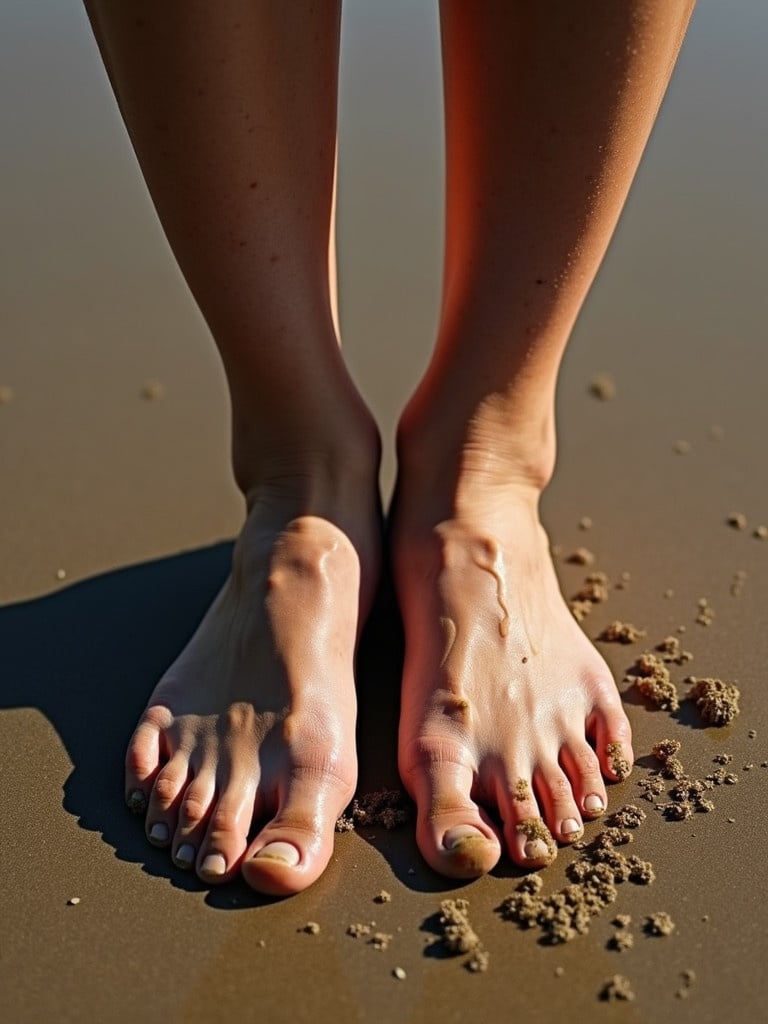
[454, 836]
[294, 848]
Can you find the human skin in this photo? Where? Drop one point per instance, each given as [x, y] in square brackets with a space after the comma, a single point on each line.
[231, 109]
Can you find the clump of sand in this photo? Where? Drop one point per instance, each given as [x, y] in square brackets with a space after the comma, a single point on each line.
[621, 940]
[628, 816]
[539, 837]
[706, 613]
[659, 923]
[671, 651]
[737, 520]
[458, 935]
[717, 701]
[581, 556]
[388, 808]
[595, 589]
[617, 988]
[621, 633]
[651, 678]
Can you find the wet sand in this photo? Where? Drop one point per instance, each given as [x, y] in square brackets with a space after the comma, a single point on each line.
[118, 509]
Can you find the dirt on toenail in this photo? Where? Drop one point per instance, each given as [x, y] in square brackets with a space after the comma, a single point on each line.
[137, 802]
[617, 988]
[621, 633]
[717, 701]
[533, 829]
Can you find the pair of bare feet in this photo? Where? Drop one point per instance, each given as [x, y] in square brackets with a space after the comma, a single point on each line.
[506, 706]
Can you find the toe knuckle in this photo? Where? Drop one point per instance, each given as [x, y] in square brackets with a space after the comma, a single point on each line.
[165, 790]
[193, 807]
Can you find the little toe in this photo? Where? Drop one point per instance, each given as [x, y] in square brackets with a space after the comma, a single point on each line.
[454, 836]
[194, 809]
[613, 742]
[226, 838]
[583, 769]
[293, 849]
[528, 840]
[142, 763]
[560, 810]
[167, 790]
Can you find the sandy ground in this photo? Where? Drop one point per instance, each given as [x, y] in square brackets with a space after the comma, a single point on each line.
[132, 500]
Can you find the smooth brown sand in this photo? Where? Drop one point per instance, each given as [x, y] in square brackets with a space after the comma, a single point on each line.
[115, 495]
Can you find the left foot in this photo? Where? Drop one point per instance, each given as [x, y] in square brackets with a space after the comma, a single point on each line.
[505, 702]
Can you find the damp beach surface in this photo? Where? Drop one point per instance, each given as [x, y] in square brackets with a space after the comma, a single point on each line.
[114, 460]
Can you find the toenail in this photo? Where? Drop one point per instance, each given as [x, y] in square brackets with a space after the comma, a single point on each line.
[136, 801]
[536, 849]
[185, 855]
[454, 836]
[569, 826]
[594, 804]
[214, 864]
[158, 833]
[286, 853]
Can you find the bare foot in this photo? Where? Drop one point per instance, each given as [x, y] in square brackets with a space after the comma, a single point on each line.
[256, 718]
[503, 696]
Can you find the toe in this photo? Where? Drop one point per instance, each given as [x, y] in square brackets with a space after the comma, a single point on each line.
[613, 738]
[583, 770]
[293, 849]
[455, 837]
[142, 760]
[528, 840]
[194, 810]
[226, 838]
[164, 800]
[557, 800]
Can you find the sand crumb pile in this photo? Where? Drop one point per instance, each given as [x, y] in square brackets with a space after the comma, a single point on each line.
[671, 651]
[650, 677]
[717, 701]
[621, 633]
[534, 831]
[706, 613]
[737, 583]
[659, 923]
[388, 808]
[581, 556]
[603, 386]
[595, 589]
[459, 937]
[617, 988]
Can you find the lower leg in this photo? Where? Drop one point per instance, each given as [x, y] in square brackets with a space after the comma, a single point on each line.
[547, 116]
[232, 111]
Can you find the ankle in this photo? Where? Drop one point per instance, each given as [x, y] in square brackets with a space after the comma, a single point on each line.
[489, 456]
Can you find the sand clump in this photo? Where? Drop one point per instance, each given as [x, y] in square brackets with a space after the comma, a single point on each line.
[311, 928]
[382, 897]
[585, 523]
[659, 923]
[538, 839]
[737, 520]
[706, 613]
[682, 447]
[617, 988]
[737, 583]
[651, 678]
[581, 556]
[672, 651]
[388, 808]
[621, 941]
[459, 937]
[760, 532]
[717, 701]
[621, 633]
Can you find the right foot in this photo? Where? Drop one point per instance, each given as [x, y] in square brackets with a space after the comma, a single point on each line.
[256, 718]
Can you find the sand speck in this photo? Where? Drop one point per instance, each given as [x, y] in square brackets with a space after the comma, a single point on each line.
[152, 391]
[61, 574]
[399, 973]
[585, 523]
[682, 447]
[311, 928]
[382, 897]
[603, 386]
[73, 901]
[760, 532]
[6, 394]
[737, 520]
